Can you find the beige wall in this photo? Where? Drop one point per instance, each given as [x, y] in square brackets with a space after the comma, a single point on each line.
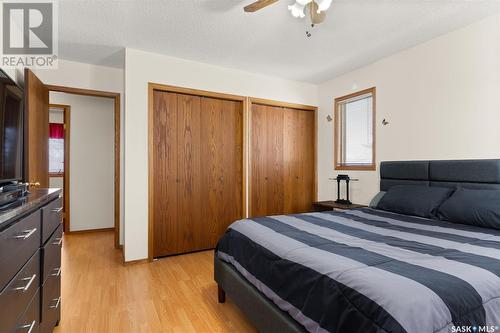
[91, 160]
[441, 99]
[56, 116]
[56, 182]
[143, 67]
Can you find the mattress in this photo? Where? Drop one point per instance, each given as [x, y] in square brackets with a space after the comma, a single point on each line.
[366, 270]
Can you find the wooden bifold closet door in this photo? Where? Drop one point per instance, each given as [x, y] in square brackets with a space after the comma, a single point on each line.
[282, 160]
[197, 154]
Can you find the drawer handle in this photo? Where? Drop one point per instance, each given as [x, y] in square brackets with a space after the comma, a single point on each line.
[56, 210]
[58, 241]
[26, 234]
[28, 326]
[27, 286]
[57, 271]
[58, 301]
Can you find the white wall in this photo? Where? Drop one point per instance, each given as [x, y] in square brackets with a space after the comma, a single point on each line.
[141, 68]
[91, 160]
[442, 99]
[78, 75]
[56, 116]
[56, 182]
[81, 75]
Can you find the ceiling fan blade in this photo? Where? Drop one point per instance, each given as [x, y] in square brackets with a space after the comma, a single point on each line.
[253, 7]
[312, 9]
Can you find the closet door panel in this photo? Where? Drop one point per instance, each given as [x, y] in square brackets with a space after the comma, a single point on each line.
[189, 222]
[305, 163]
[275, 160]
[232, 159]
[282, 160]
[164, 156]
[258, 161]
[292, 141]
[197, 154]
[211, 175]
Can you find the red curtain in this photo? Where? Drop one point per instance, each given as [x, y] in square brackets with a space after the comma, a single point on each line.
[56, 131]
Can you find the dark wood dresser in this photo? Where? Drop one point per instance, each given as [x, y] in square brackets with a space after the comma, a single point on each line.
[30, 263]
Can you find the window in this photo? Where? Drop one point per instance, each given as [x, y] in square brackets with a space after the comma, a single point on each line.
[355, 131]
[56, 148]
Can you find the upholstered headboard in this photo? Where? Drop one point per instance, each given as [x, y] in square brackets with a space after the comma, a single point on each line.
[477, 174]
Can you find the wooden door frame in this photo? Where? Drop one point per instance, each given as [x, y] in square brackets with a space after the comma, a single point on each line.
[203, 93]
[268, 102]
[29, 156]
[116, 98]
[66, 109]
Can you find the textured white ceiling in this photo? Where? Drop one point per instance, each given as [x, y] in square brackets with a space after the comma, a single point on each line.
[355, 33]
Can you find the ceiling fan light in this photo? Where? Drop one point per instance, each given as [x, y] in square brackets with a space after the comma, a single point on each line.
[297, 10]
[323, 5]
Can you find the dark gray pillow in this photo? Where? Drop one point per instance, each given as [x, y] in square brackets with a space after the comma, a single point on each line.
[415, 200]
[376, 199]
[474, 207]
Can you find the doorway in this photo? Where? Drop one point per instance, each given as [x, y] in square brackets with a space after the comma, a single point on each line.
[91, 162]
[115, 97]
[59, 154]
[37, 135]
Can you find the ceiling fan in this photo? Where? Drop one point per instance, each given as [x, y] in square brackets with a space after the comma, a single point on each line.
[315, 9]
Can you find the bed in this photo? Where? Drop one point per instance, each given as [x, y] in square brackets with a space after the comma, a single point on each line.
[368, 270]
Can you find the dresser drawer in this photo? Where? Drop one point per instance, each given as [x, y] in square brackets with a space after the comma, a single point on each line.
[17, 244]
[52, 255]
[30, 320]
[51, 218]
[51, 304]
[16, 296]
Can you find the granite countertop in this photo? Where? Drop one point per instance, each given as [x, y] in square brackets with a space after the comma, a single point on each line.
[35, 199]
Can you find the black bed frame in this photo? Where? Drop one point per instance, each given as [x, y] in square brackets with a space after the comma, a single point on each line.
[267, 317]
[261, 312]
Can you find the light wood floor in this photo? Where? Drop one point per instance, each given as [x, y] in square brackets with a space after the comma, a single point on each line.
[175, 294]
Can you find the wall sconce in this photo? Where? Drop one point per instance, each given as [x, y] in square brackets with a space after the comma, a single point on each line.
[385, 122]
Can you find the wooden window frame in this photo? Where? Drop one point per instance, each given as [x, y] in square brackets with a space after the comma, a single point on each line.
[336, 129]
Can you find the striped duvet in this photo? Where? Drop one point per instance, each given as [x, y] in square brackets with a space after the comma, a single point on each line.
[371, 271]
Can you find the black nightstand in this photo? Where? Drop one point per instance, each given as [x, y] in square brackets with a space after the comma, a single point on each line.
[322, 206]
